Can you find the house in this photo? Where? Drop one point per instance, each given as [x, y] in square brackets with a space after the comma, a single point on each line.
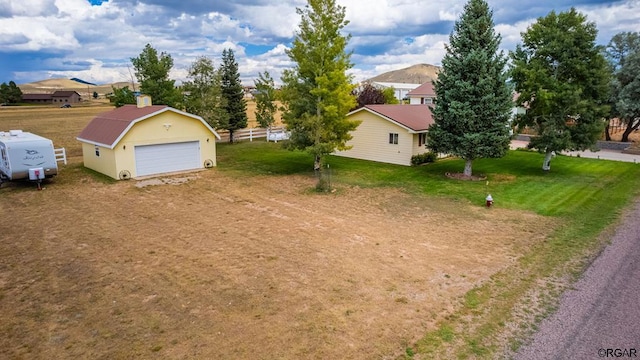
[65, 97]
[400, 89]
[133, 141]
[389, 133]
[58, 97]
[423, 94]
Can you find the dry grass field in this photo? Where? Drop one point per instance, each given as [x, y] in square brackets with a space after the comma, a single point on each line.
[211, 265]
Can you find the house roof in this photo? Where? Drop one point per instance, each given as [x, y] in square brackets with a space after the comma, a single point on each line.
[108, 128]
[36, 96]
[414, 118]
[64, 93]
[422, 90]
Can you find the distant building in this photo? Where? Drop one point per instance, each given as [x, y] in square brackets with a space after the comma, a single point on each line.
[58, 97]
[422, 95]
[401, 90]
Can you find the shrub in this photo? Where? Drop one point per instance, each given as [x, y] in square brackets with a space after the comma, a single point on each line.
[423, 158]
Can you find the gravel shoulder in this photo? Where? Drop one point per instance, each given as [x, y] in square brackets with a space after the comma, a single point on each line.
[600, 315]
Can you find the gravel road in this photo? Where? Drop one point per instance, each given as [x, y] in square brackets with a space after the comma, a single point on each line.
[600, 316]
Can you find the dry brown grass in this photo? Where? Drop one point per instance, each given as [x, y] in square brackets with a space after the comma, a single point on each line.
[212, 266]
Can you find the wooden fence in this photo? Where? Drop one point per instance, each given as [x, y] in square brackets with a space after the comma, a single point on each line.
[275, 134]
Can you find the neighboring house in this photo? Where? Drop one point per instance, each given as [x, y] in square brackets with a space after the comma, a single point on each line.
[401, 89]
[423, 94]
[389, 133]
[142, 140]
[36, 98]
[65, 97]
[58, 97]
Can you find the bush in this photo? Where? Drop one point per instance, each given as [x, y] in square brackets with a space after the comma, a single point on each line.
[423, 158]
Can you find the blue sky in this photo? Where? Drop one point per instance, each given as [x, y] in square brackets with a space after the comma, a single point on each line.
[94, 40]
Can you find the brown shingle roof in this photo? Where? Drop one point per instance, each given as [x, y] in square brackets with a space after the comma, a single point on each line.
[424, 89]
[416, 118]
[108, 128]
[64, 93]
[36, 96]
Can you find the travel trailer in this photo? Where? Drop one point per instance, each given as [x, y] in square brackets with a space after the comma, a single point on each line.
[27, 156]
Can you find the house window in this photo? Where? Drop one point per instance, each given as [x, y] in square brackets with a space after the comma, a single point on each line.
[426, 101]
[97, 151]
[393, 138]
[422, 139]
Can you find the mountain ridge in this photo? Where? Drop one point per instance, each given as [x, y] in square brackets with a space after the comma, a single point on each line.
[415, 74]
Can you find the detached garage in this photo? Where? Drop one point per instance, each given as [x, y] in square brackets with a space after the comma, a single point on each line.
[145, 140]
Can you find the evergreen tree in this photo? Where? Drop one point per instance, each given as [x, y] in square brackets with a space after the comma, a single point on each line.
[563, 81]
[317, 91]
[232, 91]
[204, 93]
[473, 100]
[265, 100]
[152, 71]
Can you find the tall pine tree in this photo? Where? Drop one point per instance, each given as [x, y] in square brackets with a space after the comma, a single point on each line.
[473, 104]
[317, 91]
[234, 103]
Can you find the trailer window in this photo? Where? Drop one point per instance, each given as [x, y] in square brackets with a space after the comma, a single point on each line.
[97, 151]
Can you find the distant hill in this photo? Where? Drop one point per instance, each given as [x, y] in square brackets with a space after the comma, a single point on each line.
[83, 88]
[416, 74]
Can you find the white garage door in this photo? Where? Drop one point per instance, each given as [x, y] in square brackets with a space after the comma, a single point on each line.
[163, 158]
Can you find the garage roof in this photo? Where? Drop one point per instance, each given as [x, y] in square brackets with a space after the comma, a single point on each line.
[108, 128]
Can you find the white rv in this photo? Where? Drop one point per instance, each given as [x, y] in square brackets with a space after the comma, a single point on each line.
[25, 155]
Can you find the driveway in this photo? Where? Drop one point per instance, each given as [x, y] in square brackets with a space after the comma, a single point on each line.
[602, 154]
[599, 316]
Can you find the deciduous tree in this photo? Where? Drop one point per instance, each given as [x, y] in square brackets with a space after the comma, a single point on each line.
[10, 93]
[265, 100]
[122, 96]
[232, 91]
[317, 91]
[473, 104]
[623, 53]
[152, 71]
[203, 93]
[563, 81]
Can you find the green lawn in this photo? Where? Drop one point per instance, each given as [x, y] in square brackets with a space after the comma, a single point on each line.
[586, 195]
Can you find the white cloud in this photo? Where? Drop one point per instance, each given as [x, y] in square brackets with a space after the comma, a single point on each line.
[387, 34]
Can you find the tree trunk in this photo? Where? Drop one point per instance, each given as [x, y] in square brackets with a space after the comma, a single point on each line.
[546, 165]
[631, 125]
[467, 167]
[317, 164]
[607, 134]
[231, 136]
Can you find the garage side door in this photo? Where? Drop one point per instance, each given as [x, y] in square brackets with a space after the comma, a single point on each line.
[163, 158]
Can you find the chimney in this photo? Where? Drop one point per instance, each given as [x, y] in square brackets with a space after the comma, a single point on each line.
[144, 101]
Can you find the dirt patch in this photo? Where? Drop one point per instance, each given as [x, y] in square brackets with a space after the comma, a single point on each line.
[220, 267]
[461, 176]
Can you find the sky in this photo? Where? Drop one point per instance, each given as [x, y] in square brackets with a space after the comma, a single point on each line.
[94, 40]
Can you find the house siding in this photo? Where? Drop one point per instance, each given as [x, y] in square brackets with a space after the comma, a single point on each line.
[416, 148]
[105, 163]
[371, 141]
